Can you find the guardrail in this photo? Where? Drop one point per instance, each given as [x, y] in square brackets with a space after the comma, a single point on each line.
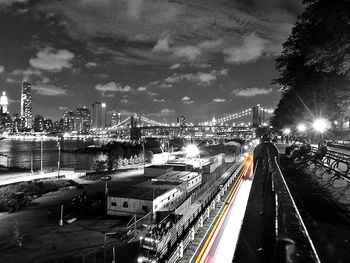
[292, 240]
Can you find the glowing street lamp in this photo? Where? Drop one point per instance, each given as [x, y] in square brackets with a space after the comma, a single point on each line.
[192, 150]
[320, 125]
[286, 131]
[301, 127]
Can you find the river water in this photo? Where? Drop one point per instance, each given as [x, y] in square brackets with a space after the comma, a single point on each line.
[18, 153]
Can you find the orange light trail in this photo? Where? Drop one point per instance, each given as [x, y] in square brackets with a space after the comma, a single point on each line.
[204, 253]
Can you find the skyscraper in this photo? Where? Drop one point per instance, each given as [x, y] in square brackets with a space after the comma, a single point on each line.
[68, 121]
[3, 103]
[26, 104]
[82, 119]
[98, 115]
[38, 123]
[116, 118]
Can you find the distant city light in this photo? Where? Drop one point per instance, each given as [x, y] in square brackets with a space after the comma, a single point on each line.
[320, 125]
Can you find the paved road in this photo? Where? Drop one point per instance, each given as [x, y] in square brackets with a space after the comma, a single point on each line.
[11, 178]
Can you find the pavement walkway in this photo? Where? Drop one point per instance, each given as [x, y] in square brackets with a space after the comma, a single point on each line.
[327, 221]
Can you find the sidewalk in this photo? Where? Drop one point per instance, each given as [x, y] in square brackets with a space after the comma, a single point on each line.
[326, 220]
[12, 178]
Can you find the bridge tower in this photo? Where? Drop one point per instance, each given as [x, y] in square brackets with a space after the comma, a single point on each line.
[135, 132]
[257, 117]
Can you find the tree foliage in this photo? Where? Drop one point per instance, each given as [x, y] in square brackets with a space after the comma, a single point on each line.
[314, 64]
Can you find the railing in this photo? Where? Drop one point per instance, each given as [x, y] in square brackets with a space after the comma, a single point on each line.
[334, 162]
[292, 240]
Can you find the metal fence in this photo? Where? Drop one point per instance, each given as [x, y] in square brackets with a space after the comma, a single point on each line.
[292, 243]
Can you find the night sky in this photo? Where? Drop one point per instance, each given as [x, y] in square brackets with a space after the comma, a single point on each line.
[197, 58]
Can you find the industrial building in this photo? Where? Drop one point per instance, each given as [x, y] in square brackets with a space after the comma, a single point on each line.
[166, 189]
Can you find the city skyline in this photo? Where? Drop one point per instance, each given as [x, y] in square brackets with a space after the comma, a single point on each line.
[189, 64]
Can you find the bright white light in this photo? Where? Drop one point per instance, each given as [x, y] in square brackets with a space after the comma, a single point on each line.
[103, 105]
[301, 127]
[192, 150]
[286, 131]
[320, 125]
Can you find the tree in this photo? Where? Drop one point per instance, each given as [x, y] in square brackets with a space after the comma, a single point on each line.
[314, 64]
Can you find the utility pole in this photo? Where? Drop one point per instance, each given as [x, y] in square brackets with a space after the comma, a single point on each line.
[41, 155]
[59, 159]
[31, 162]
[61, 219]
[144, 156]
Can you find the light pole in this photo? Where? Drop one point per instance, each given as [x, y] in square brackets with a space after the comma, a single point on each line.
[287, 132]
[302, 129]
[144, 155]
[106, 179]
[31, 162]
[59, 159]
[61, 218]
[320, 125]
[41, 155]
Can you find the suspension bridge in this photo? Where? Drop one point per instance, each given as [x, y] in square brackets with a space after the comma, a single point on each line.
[137, 126]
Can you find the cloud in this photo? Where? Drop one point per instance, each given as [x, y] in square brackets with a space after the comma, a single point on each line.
[11, 80]
[187, 100]
[166, 112]
[251, 49]
[142, 88]
[196, 28]
[162, 45]
[91, 65]
[48, 90]
[203, 79]
[2, 69]
[159, 100]
[52, 60]
[250, 92]
[108, 89]
[10, 2]
[165, 85]
[219, 100]
[175, 66]
[63, 108]
[26, 74]
[188, 52]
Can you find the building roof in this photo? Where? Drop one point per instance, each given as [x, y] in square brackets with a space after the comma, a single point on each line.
[140, 193]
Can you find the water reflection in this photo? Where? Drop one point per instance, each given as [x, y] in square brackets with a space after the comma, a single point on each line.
[18, 153]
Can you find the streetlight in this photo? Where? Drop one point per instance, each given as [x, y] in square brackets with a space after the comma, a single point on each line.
[59, 159]
[301, 127]
[106, 178]
[41, 155]
[286, 131]
[192, 150]
[320, 125]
